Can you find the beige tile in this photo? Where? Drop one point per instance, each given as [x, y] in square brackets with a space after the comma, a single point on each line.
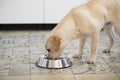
[37, 33]
[34, 58]
[4, 73]
[65, 71]
[35, 52]
[17, 49]
[52, 77]
[33, 33]
[97, 77]
[80, 67]
[118, 75]
[115, 64]
[14, 77]
[16, 33]
[41, 71]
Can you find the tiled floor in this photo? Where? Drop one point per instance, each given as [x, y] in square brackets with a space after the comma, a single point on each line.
[19, 50]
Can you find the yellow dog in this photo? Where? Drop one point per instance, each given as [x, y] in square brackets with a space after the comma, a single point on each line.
[84, 21]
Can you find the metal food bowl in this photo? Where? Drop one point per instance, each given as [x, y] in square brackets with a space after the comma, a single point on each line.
[62, 62]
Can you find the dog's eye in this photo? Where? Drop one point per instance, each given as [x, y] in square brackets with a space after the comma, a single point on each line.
[48, 50]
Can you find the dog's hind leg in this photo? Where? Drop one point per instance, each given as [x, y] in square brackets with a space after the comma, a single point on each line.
[109, 30]
[81, 47]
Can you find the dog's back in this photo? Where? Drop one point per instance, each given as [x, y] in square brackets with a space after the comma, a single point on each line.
[113, 12]
[105, 11]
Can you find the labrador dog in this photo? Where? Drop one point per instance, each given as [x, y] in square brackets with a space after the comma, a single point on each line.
[85, 20]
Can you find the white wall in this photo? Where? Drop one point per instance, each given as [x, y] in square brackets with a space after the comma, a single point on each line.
[35, 11]
[21, 11]
[55, 10]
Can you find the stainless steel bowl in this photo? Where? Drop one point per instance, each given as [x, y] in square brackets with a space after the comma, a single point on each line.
[62, 62]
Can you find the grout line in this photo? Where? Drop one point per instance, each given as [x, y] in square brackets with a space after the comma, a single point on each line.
[73, 73]
[111, 67]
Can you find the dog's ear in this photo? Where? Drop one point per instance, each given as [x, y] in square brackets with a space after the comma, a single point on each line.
[56, 41]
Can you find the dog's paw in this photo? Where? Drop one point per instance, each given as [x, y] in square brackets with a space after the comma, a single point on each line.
[106, 51]
[77, 56]
[91, 63]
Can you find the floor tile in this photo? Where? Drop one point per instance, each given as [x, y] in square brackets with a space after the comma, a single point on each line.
[39, 71]
[118, 75]
[35, 52]
[81, 67]
[37, 47]
[66, 71]
[19, 70]
[15, 33]
[21, 48]
[19, 51]
[4, 67]
[53, 77]
[97, 77]
[34, 33]
[5, 53]
[14, 77]
[34, 58]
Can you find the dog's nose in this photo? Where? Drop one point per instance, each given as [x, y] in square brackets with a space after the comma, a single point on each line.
[48, 50]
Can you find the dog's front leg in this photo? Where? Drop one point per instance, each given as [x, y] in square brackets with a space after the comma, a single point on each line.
[81, 47]
[95, 40]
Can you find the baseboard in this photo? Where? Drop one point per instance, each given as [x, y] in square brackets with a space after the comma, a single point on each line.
[27, 26]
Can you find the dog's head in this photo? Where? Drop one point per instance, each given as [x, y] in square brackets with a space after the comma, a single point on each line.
[53, 46]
